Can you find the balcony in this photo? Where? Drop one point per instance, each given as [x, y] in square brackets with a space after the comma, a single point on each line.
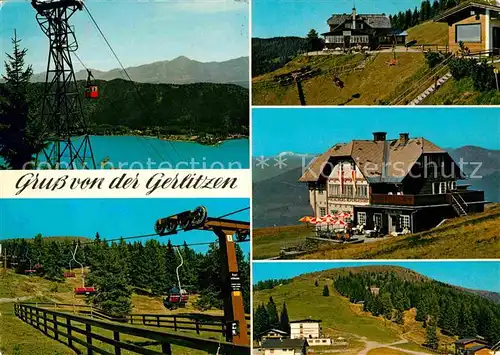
[424, 200]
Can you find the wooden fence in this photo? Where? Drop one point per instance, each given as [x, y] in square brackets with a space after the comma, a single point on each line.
[196, 322]
[93, 335]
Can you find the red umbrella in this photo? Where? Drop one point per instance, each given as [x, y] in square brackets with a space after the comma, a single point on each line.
[344, 215]
[339, 223]
[329, 219]
[305, 219]
[316, 220]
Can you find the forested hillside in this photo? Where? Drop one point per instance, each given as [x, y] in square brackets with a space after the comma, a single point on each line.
[455, 311]
[162, 109]
[117, 269]
[269, 54]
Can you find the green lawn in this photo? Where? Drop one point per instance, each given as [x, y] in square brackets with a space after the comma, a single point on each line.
[376, 83]
[471, 237]
[462, 92]
[267, 242]
[18, 338]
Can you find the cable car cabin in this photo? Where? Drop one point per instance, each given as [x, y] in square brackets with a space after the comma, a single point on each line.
[92, 92]
[176, 299]
[85, 291]
[69, 274]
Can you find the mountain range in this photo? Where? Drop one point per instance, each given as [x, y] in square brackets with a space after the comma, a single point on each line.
[180, 70]
[280, 200]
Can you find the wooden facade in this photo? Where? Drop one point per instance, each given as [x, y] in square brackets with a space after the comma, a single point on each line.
[412, 188]
[476, 25]
[362, 31]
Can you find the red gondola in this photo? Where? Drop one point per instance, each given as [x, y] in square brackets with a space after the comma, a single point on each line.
[69, 274]
[91, 90]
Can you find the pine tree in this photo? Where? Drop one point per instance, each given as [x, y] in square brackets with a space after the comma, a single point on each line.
[261, 320]
[272, 313]
[110, 278]
[51, 268]
[313, 41]
[316, 283]
[450, 319]
[284, 320]
[326, 291]
[467, 325]
[431, 334]
[19, 139]
[385, 300]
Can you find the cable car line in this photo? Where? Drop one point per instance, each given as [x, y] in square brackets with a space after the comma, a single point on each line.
[237, 211]
[141, 101]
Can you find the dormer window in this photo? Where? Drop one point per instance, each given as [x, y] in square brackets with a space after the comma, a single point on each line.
[348, 25]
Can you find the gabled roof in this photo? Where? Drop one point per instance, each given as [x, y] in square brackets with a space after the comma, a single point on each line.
[274, 331]
[473, 349]
[306, 321]
[373, 20]
[369, 156]
[469, 340]
[465, 5]
[284, 344]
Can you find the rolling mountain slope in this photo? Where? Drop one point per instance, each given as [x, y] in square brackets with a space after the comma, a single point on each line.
[342, 315]
[181, 70]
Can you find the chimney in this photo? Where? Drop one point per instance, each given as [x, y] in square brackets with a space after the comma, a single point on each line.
[354, 13]
[403, 138]
[379, 136]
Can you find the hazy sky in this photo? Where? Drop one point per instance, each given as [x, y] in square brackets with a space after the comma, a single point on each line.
[112, 218]
[140, 32]
[479, 275]
[272, 18]
[314, 130]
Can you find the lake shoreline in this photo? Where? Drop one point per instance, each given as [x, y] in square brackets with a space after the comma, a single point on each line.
[207, 140]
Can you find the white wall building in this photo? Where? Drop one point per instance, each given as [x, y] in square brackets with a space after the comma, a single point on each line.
[305, 329]
[284, 347]
[310, 330]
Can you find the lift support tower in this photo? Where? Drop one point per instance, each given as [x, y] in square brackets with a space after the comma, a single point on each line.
[62, 116]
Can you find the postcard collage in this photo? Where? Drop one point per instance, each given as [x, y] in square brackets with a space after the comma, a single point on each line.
[250, 177]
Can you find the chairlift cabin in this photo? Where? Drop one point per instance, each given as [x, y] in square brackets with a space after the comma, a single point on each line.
[91, 89]
[69, 274]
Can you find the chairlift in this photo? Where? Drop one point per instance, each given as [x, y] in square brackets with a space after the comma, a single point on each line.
[70, 273]
[31, 270]
[177, 296]
[338, 82]
[91, 90]
[82, 290]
